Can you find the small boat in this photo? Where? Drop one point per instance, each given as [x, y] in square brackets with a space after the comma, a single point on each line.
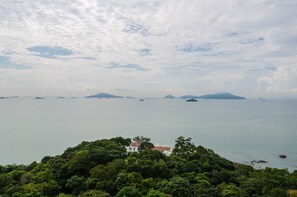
[191, 100]
[141, 100]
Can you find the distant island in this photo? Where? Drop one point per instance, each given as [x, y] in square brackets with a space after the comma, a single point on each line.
[224, 95]
[103, 95]
[189, 97]
[169, 97]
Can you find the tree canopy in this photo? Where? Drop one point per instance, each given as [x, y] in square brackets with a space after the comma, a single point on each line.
[103, 168]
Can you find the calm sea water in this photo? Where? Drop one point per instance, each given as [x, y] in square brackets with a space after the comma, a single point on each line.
[239, 130]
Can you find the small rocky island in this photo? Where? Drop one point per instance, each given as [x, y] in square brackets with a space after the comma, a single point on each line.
[191, 100]
[258, 161]
[283, 156]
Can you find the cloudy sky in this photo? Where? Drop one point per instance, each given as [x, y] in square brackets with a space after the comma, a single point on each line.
[148, 48]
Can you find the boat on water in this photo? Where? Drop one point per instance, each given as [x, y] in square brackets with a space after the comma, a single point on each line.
[191, 100]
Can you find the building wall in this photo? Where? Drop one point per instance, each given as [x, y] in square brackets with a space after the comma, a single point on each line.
[132, 149]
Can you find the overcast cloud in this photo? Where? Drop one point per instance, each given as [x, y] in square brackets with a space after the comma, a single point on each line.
[148, 48]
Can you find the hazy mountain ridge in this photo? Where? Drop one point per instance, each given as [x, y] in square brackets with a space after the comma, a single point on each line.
[169, 96]
[223, 95]
[189, 97]
[103, 95]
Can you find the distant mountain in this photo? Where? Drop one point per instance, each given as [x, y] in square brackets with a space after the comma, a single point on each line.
[103, 95]
[189, 97]
[169, 97]
[224, 95]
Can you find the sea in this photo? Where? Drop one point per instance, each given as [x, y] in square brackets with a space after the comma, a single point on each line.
[238, 130]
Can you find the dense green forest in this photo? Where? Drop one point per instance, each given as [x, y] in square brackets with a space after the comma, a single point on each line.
[103, 168]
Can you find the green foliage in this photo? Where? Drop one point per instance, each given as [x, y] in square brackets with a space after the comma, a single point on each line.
[121, 180]
[97, 193]
[80, 163]
[278, 192]
[5, 180]
[122, 141]
[64, 195]
[128, 191]
[50, 188]
[146, 143]
[103, 168]
[183, 147]
[45, 159]
[146, 185]
[16, 174]
[229, 190]
[76, 184]
[109, 171]
[43, 176]
[155, 193]
[178, 187]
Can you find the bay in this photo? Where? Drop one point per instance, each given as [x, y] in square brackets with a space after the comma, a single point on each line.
[239, 130]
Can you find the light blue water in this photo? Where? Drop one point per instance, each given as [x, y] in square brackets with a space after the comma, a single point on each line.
[239, 130]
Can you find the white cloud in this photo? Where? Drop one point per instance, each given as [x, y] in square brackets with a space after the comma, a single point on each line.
[242, 38]
[281, 83]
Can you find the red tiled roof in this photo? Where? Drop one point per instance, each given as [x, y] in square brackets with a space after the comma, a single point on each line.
[136, 143]
[162, 148]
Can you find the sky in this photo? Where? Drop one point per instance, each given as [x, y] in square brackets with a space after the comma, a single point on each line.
[148, 48]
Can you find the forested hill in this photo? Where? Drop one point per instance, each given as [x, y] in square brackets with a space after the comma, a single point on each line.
[103, 168]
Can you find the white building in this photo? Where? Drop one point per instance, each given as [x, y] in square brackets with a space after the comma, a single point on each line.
[134, 147]
[166, 150]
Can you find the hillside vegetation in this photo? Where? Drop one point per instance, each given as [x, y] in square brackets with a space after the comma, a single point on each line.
[103, 168]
